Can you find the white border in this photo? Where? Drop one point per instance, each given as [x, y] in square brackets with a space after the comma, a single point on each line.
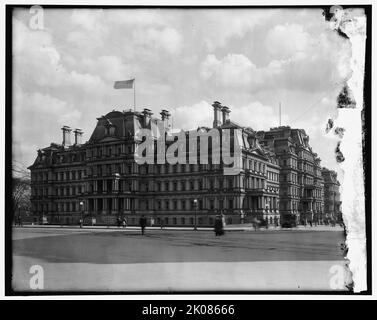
[180, 297]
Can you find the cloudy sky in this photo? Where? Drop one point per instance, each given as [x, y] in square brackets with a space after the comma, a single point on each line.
[183, 60]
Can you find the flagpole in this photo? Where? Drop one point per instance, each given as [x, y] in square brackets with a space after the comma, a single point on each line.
[134, 95]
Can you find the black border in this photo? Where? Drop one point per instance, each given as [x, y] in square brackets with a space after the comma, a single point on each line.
[8, 152]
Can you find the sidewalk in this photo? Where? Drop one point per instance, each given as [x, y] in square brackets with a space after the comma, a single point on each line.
[233, 227]
[184, 276]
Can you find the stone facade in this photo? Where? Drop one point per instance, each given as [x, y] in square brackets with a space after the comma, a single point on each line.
[332, 208]
[301, 181]
[279, 176]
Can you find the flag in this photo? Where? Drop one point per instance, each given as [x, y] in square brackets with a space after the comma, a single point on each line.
[125, 84]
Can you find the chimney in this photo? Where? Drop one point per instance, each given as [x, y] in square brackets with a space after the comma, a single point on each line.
[78, 136]
[165, 119]
[216, 114]
[66, 136]
[225, 110]
[147, 114]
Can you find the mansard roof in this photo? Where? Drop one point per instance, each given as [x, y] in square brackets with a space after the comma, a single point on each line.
[116, 125]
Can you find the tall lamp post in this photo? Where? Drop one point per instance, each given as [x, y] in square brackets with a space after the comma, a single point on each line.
[82, 213]
[117, 177]
[195, 207]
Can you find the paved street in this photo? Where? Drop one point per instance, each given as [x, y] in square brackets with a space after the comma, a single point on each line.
[123, 260]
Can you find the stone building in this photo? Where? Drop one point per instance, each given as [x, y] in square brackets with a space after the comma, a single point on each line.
[278, 175]
[332, 207]
[301, 181]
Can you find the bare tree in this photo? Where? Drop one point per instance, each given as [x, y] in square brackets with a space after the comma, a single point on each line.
[21, 190]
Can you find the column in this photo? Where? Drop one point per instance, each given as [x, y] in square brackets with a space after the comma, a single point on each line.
[115, 204]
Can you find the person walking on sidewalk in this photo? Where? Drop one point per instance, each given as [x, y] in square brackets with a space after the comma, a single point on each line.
[219, 226]
[143, 224]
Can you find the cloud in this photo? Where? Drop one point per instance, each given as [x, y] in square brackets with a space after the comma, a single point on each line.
[309, 71]
[168, 39]
[109, 68]
[38, 63]
[284, 41]
[257, 116]
[182, 60]
[220, 26]
[37, 120]
[88, 19]
[254, 114]
[193, 116]
[232, 70]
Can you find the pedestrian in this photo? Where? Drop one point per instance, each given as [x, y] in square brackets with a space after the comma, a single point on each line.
[124, 222]
[80, 222]
[219, 226]
[143, 223]
[19, 221]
